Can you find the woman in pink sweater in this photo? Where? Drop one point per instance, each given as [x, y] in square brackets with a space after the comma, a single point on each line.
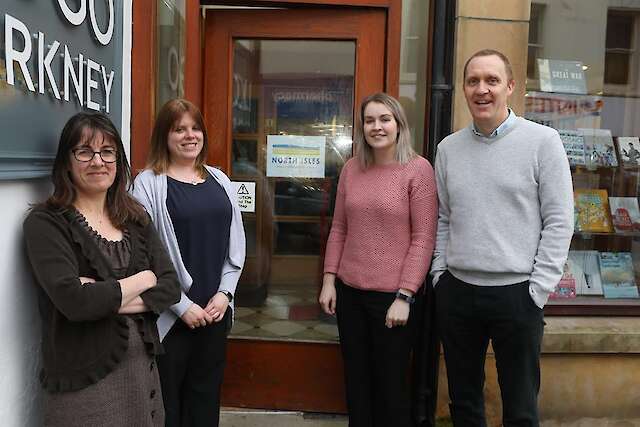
[378, 254]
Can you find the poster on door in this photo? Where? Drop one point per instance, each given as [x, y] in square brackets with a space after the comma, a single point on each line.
[295, 156]
[245, 192]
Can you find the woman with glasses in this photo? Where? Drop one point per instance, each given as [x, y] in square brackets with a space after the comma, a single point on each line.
[103, 276]
[197, 216]
[377, 257]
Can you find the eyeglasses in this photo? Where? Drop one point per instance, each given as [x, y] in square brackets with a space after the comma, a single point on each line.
[86, 155]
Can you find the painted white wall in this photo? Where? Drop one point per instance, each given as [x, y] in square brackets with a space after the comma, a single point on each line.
[20, 391]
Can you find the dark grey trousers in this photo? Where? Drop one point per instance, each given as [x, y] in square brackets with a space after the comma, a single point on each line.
[468, 318]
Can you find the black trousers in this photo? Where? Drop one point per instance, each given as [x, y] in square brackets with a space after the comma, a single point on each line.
[468, 317]
[191, 373]
[376, 359]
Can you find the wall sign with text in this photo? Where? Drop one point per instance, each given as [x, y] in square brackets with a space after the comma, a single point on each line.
[58, 57]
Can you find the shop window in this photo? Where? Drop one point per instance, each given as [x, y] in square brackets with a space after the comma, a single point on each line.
[584, 84]
[535, 41]
[622, 29]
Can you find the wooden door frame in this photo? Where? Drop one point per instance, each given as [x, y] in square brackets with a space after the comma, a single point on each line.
[392, 8]
[143, 61]
[217, 91]
[281, 374]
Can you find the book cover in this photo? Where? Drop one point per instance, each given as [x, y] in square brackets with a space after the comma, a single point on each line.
[616, 269]
[599, 148]
[573, 142]
[625, 214]
[629, 149]
[586, 271]
[591, 211]
[568, 285]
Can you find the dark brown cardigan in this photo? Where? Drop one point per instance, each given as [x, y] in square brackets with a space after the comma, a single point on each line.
[83, 336]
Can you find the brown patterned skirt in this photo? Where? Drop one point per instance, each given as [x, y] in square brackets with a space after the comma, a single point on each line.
[129, 396]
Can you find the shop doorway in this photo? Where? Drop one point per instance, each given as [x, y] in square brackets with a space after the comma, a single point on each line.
[280, 90]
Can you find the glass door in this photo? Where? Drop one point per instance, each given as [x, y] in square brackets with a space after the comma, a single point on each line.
[280, 89]
[292, 125]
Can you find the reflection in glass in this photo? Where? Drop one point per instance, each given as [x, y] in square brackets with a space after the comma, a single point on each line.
[170, 50]
[297, 238]
[298, 88]
[301, 197]
[413, 66]
[244, 157]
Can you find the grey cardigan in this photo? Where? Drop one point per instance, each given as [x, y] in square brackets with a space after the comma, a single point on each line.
[151, 190]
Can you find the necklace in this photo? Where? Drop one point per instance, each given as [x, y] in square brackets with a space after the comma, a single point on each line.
[182, 178]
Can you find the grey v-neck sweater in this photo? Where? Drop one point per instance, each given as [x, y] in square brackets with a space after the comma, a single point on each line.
[506, 208]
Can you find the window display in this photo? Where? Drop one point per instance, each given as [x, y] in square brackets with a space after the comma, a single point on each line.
[583, 79]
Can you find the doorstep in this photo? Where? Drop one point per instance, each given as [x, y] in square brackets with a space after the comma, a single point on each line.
[241, 417]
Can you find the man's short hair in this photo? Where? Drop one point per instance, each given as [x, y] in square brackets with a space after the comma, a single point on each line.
[491, 52]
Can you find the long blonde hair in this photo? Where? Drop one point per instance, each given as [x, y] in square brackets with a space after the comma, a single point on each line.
[168, 116]
[404, 150]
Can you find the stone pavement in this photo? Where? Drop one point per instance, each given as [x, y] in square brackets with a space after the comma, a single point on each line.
[232, 417]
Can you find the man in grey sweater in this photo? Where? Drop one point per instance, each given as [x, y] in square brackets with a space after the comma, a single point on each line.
[505, 225]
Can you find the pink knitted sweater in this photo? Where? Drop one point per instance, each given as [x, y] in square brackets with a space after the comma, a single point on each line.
[384, 226]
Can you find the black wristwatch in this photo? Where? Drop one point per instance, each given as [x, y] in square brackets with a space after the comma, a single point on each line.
[404, 297]
[227, 294]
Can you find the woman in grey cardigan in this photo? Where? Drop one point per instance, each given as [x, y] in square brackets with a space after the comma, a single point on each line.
[197, 217]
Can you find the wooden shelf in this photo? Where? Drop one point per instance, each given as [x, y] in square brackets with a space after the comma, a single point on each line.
[593, 306]
[587, 235]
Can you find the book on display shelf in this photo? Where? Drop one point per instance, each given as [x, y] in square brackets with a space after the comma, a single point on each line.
[573, 143]
[591, 211]
[599, 147]
[629, 149]
[625, 214]
[585, 268]
[616, 270]
[569, 283]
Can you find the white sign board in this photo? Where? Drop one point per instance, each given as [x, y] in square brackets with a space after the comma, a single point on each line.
[295, 156]
[246, 194]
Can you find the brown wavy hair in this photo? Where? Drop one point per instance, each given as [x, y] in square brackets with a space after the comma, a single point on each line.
[121, 207]
[168, 117]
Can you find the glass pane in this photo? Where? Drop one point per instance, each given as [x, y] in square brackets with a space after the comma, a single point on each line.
[292, 122]
[413, 67]
[616, 68]
[297, 238]
[619, 30]
[171, 50]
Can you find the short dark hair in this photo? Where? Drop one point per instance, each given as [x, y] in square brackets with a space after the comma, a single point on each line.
[121, 207]
[168, 116]
[490, 52]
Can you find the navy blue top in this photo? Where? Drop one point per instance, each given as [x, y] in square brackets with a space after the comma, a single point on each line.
[201, 217]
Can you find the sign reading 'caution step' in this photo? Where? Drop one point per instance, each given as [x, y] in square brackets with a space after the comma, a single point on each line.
[246, 194]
